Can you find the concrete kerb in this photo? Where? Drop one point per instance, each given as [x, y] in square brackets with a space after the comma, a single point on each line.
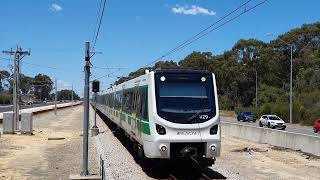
[296, 141]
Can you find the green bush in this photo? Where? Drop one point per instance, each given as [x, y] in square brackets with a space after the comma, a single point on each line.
[225, 103]
[5, 99]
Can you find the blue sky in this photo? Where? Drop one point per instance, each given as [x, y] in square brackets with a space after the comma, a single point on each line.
[133, 32]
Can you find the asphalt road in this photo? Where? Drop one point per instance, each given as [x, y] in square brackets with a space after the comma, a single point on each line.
[290, 128]
[10, 108]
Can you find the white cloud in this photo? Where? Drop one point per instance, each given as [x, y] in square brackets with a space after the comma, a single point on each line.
[55, 7]
[193, 10]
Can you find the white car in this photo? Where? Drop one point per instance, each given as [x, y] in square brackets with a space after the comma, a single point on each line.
[272, 121]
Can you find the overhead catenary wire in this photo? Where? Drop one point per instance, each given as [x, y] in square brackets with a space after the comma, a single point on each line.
[99, 25]
[245, 11]
[39, 65]
[50, 67]
[107, 68]
[107, 75]
[205, 29]
[97, 21]
[209, 29]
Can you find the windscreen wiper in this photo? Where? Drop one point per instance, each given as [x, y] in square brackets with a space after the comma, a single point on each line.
[195, 115]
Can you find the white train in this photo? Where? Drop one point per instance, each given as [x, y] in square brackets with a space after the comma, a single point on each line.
[168, 113]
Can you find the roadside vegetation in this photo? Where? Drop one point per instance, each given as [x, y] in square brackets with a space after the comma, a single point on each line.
[236, 68]
[38, 88]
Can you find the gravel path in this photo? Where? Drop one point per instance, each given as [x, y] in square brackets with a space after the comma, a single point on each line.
[36, 157]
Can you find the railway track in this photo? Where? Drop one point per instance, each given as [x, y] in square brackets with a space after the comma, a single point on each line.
[192, 170]
[173, 170]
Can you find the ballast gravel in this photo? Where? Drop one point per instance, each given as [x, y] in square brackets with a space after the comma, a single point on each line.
[118, 162]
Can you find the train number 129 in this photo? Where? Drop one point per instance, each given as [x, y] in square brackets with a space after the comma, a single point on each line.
[203, 116]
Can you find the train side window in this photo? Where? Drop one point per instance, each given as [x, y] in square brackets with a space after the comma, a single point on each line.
[144, 103]
[138, 99]
[128, 95]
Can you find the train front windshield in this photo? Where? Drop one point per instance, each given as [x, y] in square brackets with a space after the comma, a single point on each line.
[185, 98]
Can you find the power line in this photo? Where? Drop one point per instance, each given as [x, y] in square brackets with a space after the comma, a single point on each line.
[107, 68]
[205, 29]
[51, 67]
[245, 11]
[107, 75]
[209, 29]
[101, 17]
[32, 64]
[97, 21]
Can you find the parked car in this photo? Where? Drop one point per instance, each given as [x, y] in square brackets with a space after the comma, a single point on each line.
[272, 121]
[246, 116]
[316, 126]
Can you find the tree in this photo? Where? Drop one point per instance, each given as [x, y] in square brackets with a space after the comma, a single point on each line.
[66, 94]
[43, 85]
[235, 73]
[141, 71]
[25, 84]
[197, 60]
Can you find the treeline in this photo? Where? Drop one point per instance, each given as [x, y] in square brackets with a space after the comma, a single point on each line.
[66, 94]
[37, 88]
[235, 71]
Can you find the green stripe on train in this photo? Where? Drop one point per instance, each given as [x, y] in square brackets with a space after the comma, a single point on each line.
[145, 127]
[144, 123]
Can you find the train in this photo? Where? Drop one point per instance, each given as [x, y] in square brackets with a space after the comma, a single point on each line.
[167, 113]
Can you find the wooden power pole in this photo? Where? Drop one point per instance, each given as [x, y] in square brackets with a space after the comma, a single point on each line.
[18, 55]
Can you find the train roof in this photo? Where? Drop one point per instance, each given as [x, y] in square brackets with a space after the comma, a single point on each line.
[143, 77]
[181, 70]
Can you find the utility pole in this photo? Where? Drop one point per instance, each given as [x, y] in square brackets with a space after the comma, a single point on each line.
[72, 96]
[291, 49]
[256, 87]
[291, 64]
[18, 55]
[85, 171]
[55, 96]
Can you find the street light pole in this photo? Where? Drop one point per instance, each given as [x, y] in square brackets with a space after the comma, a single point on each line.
[291, 64]
[256, 88]
[255, 69]
[291, 48]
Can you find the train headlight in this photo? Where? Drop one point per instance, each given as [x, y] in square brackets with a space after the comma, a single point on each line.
[213, 148]
[160, 129]
[163, 148]
[163, 78]
[214, 129]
